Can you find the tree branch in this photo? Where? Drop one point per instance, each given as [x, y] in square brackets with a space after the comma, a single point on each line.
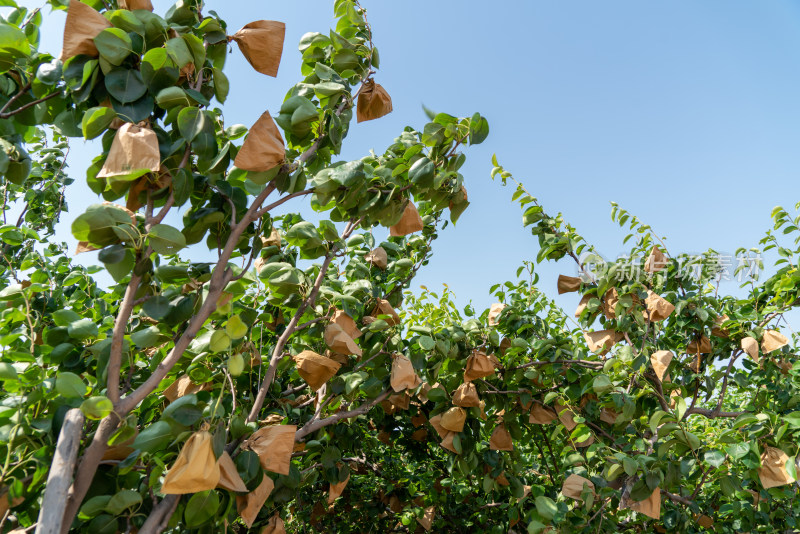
[117, 337]
[314, 425]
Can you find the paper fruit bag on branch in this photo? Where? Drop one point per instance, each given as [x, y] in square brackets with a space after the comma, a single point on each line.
[494, 312]
[195, 469]
[772, 340]
[373, 102]
[82, 26]
[453, 419]
[409, 222]
[274, 446]
[263, 148]
[573, 487]
[772, 472]
[658, 308]
[479, 365]
[660, 360]
[336, 489]
[338, 340]
[134, 149]
[315, 369]
[501, 439]
[274, 526]
[403, 374]
[249, 505]
[466, 396]
[568, 284]
[229, 478]
[540, 415]
[378, 258]
[384, 308]
[261, 43]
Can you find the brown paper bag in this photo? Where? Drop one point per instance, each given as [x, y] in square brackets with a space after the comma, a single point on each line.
[447, 442]
[601, 341]
[182, 386]
[750, 346]
[607, 415]
[133, 148]
[772, 472]
[336, 489]
[478, 366]
[373, 102]
[541, 415]
[419, 420]
[466, 396]
[403, 374]
[453, 419]
[494, 312]
[229, 478]
[338, 340]
[568, 284]
[401, 401]
[651, 507]
[565, 415]
[409, 223]
[249, 505]
[657, 307]
[347, 323]
[582, 305]
[315, 369]
[610, 300]
[704, 521]
[273, 445]
[133, 5]
[656, 261]
[421, 434]
[772, 340]
[261, 43]
[660, 360]
[384, 308]
[378, 258]
[275, 525]
[427, 518]
[501, 439]
[195, 469]
[274, 239]
[263, 148]
[718, 330]
[83, 25]
[573, 487]
[703, 346]
[436, 423]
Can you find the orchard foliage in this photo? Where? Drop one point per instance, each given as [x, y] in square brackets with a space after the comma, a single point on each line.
[291, 382]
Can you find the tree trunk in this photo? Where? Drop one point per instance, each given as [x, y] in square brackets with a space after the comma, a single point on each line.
[51, 514]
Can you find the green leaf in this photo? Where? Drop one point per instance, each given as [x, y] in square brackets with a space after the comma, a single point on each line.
[201, 508]
[602, 384]
[221, 85]
[478, 129]
[114, 45]
[793, 419]
[97, 407]
[737, 451]
[546, 507]
[714, 458]
[70, 385]
[123, 500]
[421, 172]
[154, 438]
[126, 85]
[166, 239]
[96, 120]
[426, 342]
[157, 307]
[171, 97]
[191, 121]
[7, 371]
[82, 329]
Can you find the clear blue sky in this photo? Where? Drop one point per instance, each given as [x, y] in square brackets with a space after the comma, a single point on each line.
[684, 112]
